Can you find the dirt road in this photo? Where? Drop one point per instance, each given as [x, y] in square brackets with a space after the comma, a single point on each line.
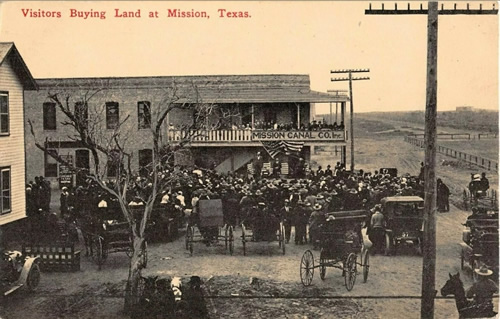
[90, 293]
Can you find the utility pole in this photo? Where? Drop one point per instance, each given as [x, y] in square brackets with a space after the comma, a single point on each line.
[351, 103]
[429, 242]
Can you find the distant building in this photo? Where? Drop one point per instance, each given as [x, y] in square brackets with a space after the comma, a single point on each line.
[464, 109]
[260, 102]
[15, 78]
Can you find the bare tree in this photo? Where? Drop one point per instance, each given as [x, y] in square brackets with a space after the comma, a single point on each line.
[90, 131]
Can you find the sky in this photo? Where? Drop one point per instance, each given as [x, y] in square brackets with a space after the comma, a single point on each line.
[278, 37]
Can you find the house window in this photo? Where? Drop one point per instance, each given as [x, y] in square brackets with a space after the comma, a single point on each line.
[82, 114]
[112, 115]
[4, 113]
[5, 191]
[50, 163]
[49, 116]
[145, 161]
[144, 114]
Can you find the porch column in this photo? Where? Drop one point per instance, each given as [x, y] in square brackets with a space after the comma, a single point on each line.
[298, 116]
[336, 112]
[253, 117]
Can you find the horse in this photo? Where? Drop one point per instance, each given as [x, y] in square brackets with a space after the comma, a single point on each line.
[466, 308]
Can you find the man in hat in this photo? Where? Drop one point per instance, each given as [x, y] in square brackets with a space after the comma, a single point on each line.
[482, 291]
[286, 214]
[484, 183]
[443, 194]
[376, 230]
[475, 185]
[328, 171]
[258, 162]
[315, 222]
[301, 219]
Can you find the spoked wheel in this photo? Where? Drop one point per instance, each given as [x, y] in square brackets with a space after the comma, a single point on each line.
[366, 264]
[322, 265]
[98, 256]
[188, 235]
[388, 244]
[283, 248]
[307, 268]
[230, 240]
[350, 271]
[33, 277]
[243, 239]
[191, 239]
[226, 236]
[144, 254]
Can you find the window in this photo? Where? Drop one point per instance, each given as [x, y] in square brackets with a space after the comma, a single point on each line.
[145, 161]
[5, 191]
[4, 113]
[144, 114]
[49, 116]
[50, 163]
[82, 114]
[112, 115]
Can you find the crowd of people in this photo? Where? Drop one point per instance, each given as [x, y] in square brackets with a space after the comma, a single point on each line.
[263, 125]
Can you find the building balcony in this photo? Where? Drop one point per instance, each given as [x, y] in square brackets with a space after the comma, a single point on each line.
[254, 137]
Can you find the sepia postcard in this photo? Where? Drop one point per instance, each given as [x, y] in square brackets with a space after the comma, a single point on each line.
[249, 159]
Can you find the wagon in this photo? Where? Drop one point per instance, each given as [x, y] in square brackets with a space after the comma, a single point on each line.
[262, 226]
[113, 236]
[207, 226]
[341, 242]
[479, 244]
[404, 222]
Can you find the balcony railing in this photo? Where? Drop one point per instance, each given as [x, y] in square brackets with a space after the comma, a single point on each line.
[249, 135]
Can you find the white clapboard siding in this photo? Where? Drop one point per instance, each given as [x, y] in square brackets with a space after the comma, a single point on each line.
[12, 146]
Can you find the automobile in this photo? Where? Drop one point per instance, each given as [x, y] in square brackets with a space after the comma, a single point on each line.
[18, 271]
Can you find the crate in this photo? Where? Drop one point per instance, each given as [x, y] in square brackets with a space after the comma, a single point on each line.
[54, 257]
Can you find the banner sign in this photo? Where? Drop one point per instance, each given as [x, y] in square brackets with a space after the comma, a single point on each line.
[66, 172]
[309, 136]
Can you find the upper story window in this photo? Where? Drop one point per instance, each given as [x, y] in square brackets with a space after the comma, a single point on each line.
[49, 116]
[144, 114]
[4, 113]
[82, 113]
[5, 191]
[112, 115]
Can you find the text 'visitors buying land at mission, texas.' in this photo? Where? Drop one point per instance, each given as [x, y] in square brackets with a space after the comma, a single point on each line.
[138, 13]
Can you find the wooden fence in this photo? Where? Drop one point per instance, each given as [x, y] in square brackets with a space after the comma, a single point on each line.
[462, 156]
[447, 136]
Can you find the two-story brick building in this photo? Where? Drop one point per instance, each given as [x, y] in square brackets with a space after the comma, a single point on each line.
[259, 108]
[15, 78]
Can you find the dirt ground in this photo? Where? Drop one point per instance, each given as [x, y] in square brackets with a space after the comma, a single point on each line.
[90, 293]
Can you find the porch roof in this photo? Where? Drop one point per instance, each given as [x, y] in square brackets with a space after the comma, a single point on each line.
[266, 88]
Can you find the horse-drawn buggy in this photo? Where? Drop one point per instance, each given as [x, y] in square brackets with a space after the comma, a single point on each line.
[480, 241]
[206, 224]
[112, 234]
[341, 242]
[261, 225]
[404, 222]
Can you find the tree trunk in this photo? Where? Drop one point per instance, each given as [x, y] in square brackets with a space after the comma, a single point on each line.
[132, 291]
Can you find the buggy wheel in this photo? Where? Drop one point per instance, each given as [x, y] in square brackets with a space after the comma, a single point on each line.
[366, 264]
[307, 268]
[322, 265]
[476, 265]
[226, 237]
[350, 271]
[243, 240]
[188, 235]
[144, 254]
[33, 277]
[389, 245]
[283, 248]
[191, 239]
[231, 240]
